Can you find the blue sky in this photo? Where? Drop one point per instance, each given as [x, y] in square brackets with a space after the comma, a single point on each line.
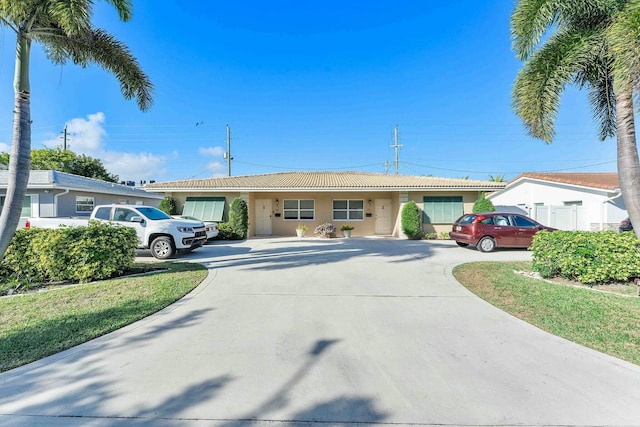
[305, 86]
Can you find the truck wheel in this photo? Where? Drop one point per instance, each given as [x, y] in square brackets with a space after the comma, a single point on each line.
[162, 248]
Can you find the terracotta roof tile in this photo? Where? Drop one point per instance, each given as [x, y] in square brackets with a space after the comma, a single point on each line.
[603, 180]
[326, 181]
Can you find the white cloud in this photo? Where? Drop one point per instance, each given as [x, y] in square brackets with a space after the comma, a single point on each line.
[5, 148]
[87, 136]
[216, 167]
[135, 166]
[212, 151]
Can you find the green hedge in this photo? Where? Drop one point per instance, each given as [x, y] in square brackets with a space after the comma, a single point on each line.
[80, 254]
[483, 205]
[226, 232]
[590, 257]
[239, 218]
[410, 220]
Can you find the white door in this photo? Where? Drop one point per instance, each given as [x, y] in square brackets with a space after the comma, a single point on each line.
[263, 217]
[383, 216]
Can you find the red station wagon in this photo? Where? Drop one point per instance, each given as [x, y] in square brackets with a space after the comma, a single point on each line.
[491, 230]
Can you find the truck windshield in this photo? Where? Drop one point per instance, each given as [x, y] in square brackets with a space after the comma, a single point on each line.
[153, 213]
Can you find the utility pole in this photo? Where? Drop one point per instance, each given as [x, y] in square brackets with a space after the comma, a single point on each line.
[397, 147]
[64, 144]
[227, 154]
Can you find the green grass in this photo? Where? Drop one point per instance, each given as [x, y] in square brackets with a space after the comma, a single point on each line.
[36, 325]
[605, 322]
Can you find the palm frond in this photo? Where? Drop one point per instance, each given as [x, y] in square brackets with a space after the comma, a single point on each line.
[603, 104]
[539, 85]
[99, 47]
[124, 8]
[529, 21]
[623, 37]
[71, 16]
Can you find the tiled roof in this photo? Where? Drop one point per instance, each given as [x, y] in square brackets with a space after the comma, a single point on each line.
[602, 180]
[319, 181]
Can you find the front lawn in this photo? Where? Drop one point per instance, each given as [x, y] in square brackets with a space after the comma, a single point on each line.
[606, 322]
[39, 324]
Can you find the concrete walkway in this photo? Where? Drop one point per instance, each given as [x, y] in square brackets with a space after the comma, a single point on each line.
[312, 332]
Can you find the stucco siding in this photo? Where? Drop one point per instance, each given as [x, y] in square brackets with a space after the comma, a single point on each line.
[596, 210]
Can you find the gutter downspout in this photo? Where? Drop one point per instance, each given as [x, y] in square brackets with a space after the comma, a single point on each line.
[605, 202]
[55, 200]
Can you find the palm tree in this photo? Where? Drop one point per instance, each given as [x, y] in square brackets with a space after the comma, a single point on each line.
[64, 29]
[594, 44]
[497, 178]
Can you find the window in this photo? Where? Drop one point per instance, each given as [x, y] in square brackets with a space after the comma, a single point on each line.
[103, 213]
[124, 214]
[84, 204]
[348, 210]
[205, 208]
[442, 210]
[26, 206]
[296, 210]
[521, 221]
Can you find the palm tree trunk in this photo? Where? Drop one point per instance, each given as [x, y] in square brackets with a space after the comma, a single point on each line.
[20, 159]
[628, 163]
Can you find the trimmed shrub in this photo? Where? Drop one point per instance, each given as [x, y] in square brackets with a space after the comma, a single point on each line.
[239, 218]
[483, 205]
[78, 254]
[225, 232]
[590, 257]
[168, 206]
[411, 225]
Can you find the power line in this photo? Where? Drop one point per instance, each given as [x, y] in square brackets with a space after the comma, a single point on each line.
[510, 173]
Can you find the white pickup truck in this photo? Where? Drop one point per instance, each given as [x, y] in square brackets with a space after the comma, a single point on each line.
[156, 230]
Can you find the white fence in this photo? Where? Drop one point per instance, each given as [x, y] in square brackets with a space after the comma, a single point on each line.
[561, 217]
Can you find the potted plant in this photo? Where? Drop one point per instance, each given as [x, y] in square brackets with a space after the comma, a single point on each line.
[301, 229]
[325, 230]
[346, 230]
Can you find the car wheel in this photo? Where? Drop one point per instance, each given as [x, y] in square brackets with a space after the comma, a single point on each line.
[162, 248]
[462, 244]
[486, 244]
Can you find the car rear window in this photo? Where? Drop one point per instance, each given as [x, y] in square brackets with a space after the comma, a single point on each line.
[467, 219]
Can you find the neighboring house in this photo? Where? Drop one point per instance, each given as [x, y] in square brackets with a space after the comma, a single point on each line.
[370, 202]
[567, 201]
[55, 194]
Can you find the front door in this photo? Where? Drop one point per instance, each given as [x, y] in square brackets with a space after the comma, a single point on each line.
[384, 224]
[263, 217]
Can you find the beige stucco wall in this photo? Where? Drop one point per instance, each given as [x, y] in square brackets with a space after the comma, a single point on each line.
[324, 209]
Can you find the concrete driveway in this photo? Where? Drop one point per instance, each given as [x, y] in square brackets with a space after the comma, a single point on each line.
[312, 332]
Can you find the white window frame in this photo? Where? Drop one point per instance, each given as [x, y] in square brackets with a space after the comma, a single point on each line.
[298, 209]
[33, 205]
[348, 210]
[86, 199]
